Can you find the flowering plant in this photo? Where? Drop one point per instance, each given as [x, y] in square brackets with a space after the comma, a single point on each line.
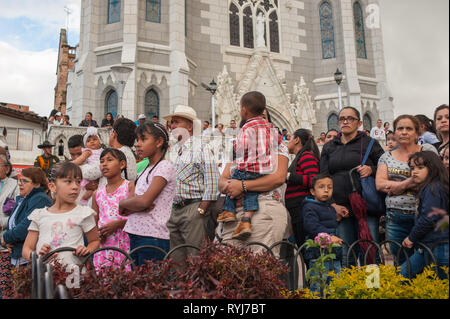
[319, 273]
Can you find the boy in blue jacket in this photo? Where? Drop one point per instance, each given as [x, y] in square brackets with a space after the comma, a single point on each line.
[320, 217]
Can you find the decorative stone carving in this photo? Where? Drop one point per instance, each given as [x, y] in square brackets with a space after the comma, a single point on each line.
[303, 105]
[262, 75]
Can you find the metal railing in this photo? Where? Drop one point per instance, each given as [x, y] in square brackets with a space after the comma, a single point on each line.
[43, 283]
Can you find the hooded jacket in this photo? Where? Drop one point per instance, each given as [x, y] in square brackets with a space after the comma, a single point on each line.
[337, 159]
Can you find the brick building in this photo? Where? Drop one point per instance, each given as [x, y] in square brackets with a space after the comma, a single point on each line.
[66, 56]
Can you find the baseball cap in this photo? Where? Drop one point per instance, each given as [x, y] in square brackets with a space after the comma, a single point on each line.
[141, 117]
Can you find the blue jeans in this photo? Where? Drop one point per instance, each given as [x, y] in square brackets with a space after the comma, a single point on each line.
[250, 200]
[144, 254]
[348, 231]
[421, 258]
[398, 227]
[329, 266]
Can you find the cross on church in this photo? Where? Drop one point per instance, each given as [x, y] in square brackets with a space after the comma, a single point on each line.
[68, 13]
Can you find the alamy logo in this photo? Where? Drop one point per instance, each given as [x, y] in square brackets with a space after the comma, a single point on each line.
[373, 279]
[373, 16]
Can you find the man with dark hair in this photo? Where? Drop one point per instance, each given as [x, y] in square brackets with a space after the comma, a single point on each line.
[75, 145]
[155, 119]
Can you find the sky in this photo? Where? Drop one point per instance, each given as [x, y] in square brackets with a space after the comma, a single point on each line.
[415, 38]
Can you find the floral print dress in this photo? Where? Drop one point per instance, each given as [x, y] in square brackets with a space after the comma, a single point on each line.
[108, 206]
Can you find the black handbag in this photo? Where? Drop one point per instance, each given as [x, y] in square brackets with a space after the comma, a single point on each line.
[375, 200]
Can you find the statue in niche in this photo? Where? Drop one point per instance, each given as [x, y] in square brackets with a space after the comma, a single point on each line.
[260, 23]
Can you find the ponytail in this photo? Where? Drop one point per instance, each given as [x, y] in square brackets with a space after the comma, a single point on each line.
[307, 141]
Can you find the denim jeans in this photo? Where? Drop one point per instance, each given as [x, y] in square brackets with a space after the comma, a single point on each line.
[329, 266]
[348, 231]
[422, 258]
[144, 254]
[250, 200]
[398, 227]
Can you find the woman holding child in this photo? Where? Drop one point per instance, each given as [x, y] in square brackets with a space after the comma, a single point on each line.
[339, 156]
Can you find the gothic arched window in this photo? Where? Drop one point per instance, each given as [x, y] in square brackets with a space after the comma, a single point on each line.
[327, 30]
[234, 25]
[333, 122]
[153, 11]
[360, 38]
[273, 30]
[248, 27]
[367, 122]
[151, 103]
[114, 11]
[111, 103]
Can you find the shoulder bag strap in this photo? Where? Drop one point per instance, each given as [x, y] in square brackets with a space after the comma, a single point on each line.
[369, 148]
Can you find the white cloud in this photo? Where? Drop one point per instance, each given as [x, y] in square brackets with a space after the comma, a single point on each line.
[28, 78]
[416, 48]
[48, 12]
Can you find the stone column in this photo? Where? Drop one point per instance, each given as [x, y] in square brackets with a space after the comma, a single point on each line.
[129, 52]
[179, 85]
[350, 69]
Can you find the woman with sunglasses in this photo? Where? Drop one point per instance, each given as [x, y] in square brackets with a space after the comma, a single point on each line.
[338, 157]
[32, 188]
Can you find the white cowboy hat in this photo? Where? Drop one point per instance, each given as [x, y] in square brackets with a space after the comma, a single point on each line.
[141, 117]
[189, 113]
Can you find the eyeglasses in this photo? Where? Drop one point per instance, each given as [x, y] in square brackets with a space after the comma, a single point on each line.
[349, 119]
[24, 181]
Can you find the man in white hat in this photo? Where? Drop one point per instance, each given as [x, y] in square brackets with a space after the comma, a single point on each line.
[140, 120]
[197, 182]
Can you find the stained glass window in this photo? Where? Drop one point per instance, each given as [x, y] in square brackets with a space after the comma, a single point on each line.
[367, 122]
[359, 31]
[111, 103]
[151, 103]
[234, 25]
[273, 29]
[327, 30]
[248, 28]
[333, 122]
[153, 11]
[113, 11]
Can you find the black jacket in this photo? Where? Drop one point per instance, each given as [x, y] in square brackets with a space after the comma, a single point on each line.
[337, 159]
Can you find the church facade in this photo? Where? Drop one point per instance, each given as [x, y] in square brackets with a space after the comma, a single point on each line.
[287, 49]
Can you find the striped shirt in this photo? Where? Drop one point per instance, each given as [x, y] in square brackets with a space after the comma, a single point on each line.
[196, 171]
[256, 146]
[299, 183]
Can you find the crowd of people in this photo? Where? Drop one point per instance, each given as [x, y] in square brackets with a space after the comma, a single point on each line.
[168, 185]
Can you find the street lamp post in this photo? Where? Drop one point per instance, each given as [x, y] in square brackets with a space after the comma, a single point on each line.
[121, 73]
[212, 87]
[338, 78]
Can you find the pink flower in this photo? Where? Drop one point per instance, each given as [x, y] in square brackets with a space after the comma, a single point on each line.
[323, 239]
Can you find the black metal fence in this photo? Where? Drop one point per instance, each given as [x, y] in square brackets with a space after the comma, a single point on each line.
[43, 286]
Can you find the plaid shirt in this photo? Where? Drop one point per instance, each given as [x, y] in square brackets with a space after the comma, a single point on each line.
[256, 146]
[197, 172]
